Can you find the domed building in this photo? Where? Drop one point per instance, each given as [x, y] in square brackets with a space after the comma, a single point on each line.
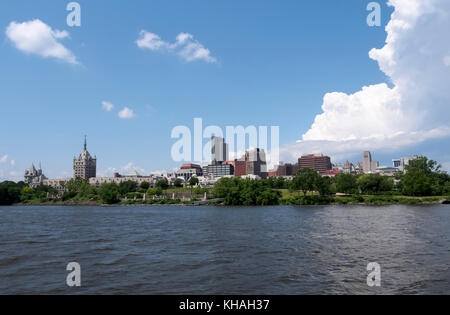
[85, 166]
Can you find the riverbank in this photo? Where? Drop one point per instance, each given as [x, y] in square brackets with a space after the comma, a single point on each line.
[299, 200]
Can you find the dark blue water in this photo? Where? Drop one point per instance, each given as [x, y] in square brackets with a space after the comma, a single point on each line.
[207, 250]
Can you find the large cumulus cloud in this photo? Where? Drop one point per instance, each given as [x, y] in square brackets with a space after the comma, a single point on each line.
[413, 107]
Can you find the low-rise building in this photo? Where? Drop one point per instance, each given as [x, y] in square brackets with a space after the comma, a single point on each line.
[58, 184]
[219, 170]
[387, 171]
[187, 171]
[402, 162]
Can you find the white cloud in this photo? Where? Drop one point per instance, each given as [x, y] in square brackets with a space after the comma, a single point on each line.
[185, 46]
[108, 106]
[8, 171]
[340, 150]
[150, 41]
[414, 109]
[36, 37]
[446, 167]
[447, 61]
[124, 170]
[126, 113]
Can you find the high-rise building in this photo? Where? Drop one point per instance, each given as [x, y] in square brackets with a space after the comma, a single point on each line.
[368, 165]
[256, 162]
[240, 168]
[85, 166]
[219, 150]
[318, 162]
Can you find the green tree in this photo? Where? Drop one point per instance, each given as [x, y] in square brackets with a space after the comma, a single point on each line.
[145, 185]
[163, 184]
[193, 181]
[373, 184]
[109, 193]
[151, 192]
[323, 185]
[346, 183]
[247, 192]
[178, 183]
[305, 180]
[159, 191]
[127, 187]
[424, 177]
[10, 193]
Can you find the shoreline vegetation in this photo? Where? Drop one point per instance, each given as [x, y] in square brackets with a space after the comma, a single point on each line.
[308, 201]
[423, 183]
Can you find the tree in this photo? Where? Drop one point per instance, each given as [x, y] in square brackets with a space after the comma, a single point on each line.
[145, 185]
[305, 180]
[159, 191]
[163, 184]
[193, 181]
[127, 187]
[109, 193]
[323, 185]
[246, 192]
[424, 177]
[373, 183]
[9, 193]
[178, 183]
[346, 183]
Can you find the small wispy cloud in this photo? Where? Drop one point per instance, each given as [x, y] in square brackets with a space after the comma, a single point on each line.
[123, 170]
[185, 46]
[447, 61]
[36, 37]
[126, 113]
[108, 106]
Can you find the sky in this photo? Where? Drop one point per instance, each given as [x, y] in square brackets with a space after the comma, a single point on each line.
[134, 70]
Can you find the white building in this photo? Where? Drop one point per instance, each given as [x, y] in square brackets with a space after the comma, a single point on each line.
[34, 177]
[402, 162]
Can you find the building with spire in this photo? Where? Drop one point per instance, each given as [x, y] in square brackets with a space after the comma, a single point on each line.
[34, 177]
[85, 166]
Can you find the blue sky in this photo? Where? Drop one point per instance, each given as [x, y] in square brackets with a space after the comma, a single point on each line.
[275, 61]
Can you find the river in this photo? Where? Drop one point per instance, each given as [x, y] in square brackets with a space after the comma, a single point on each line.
[225, 250]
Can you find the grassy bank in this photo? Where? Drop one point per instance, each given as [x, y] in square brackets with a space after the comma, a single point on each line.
[363, 200]
[293, 199]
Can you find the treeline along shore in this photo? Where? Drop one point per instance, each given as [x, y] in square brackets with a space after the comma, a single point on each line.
[423, 182]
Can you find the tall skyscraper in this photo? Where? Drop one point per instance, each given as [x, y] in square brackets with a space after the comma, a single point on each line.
[219, 150]
[85, 166]
[369, 166]
[256, 162]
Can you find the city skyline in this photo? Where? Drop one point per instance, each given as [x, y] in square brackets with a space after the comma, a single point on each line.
[128, 93]
[252, 164]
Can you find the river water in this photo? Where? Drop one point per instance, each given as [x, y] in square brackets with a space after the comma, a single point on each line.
[221, 250]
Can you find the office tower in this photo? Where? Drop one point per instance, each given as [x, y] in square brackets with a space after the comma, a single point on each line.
[85, 166]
